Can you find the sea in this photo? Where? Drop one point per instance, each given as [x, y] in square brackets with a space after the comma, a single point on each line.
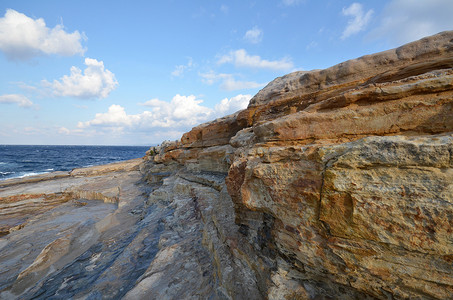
[17, 161]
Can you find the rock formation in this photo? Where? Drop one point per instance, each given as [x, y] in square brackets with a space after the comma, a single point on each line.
[332, 184]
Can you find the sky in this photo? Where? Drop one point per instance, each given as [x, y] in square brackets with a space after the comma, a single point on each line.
[141, 72]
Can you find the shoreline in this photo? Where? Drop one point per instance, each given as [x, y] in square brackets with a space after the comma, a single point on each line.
[76, 172]
[23, 161]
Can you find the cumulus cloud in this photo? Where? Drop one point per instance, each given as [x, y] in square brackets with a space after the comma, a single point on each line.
[22, 38]
[20, 100]
[182, 111]
[228, 82]
[254, 35]
[241, 58]
[404, 21]
[180, 69]
[115, 116]
[229, 106]
[358, 21]
[94, 82]
[177, 116]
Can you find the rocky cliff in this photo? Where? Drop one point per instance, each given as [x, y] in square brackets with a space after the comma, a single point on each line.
[332, 184]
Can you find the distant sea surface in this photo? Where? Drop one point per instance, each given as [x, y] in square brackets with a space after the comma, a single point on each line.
[18, 161]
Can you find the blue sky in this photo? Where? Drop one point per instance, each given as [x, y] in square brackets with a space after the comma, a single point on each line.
[140, 72]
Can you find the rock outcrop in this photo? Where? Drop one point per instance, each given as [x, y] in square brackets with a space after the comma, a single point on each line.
[332, 184]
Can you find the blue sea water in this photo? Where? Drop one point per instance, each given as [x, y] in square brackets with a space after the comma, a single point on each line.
[18, 161]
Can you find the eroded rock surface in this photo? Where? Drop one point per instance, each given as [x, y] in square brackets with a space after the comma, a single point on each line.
[332, 184]
[341, 178]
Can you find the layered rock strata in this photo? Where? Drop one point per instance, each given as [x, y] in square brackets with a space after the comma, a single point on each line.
[332, 184]
[341, 178]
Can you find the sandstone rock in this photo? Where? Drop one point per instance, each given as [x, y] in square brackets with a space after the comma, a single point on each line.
[422, 56]
[214, 133]
[332, 184]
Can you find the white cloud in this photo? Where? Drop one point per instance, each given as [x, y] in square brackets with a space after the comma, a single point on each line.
[229, 106]
[228, 82]
[26, 87]
[231, 84]
[254, 35]
[176, 116]
[22, 38]
[359, 19]
[180, 69]
[181, 112]
[242, 59]
[404, 21]
[115, 116]
[211, 77]
[20, 100]
[64, 130]
[94, 82]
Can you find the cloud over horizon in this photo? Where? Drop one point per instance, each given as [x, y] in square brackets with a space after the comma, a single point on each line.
[178, 115]
[22, 38]
[94, 82]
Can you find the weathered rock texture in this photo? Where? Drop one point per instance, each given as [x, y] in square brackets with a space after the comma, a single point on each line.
[332, 184]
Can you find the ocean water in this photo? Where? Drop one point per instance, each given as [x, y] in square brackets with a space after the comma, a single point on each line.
[18, 161]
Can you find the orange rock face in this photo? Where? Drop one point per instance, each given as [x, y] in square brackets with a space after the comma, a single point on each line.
[342, 178]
